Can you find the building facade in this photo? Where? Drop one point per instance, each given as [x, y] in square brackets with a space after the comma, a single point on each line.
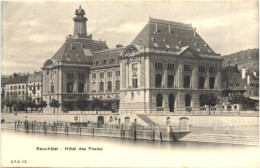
[167, 67]
[34, 86]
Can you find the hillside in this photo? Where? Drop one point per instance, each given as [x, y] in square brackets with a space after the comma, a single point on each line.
[247, 58]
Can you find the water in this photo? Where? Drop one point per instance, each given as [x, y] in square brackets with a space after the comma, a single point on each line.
[120, 152]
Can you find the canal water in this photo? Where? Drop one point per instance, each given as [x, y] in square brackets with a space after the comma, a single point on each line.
[34, 149]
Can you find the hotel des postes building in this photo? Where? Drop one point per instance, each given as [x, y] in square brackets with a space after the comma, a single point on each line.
[165, 69]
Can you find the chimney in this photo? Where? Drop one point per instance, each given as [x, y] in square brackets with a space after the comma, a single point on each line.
[243, 73]
[248, 79]
[255, 73]
[195, 34]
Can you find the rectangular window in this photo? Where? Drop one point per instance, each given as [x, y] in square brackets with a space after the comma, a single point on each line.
[19, 87]
[117, 85]
[81, 88]
[201, 82]
[23, 92]
[158, 81]
[101, 75]
[134, 67]
[104, 62]
[212, 69]
[70, 75]
[158, 65]
[201, 68]
[69, 87]
[211, 82]
[170, 66]
[117, 73]
[93, 75]
[134, 83]
[186, 82]
[109, 74]
[101, 87]
[52, 88]
[170, 81]
[187, 68]
[109, 86]
[81, 76]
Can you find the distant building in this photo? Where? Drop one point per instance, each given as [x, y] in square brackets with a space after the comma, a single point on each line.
[34, 86]
[167, 67]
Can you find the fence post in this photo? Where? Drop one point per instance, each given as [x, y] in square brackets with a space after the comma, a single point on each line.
[159, 133]
[152, 133]
[15, 125]
[134, 131]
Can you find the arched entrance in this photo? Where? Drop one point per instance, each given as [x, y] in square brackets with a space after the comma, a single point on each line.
[127, 120]
[183, 122]
[100, 120]
[171, 102]
[159, 100]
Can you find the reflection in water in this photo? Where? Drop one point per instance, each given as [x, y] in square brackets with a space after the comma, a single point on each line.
[121, 152]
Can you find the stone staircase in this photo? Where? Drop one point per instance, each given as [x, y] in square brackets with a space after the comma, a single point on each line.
[222, 138]
[145, 119]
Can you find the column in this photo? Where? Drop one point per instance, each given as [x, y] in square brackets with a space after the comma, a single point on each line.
[60, 80]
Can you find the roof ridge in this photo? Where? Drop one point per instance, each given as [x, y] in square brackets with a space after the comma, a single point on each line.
[170, 22]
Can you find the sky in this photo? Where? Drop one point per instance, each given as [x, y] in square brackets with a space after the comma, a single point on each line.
[32, 32]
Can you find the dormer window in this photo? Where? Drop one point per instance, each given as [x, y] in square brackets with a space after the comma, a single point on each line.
[167, 46]
[67, 55]
[96, 63]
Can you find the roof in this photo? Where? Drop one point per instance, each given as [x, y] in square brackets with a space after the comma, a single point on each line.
[171, 36]
[78, 50]
[4, 81]
[17, 80]
[36, 77]
[110, 55]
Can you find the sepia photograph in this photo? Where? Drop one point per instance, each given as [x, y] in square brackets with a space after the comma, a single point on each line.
[130, 84]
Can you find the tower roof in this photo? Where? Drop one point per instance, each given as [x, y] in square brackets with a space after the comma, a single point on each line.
[80, 12]
[171, 36]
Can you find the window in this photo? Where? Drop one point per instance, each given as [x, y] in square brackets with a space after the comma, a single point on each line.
[7, 93]
[187, 100]
[11, 87]
[112, 61]
[201, 82]
[15, 87]
[159, 100]
[96, 63]
[104, 62]
[22, 92]
[201, 68]
[117, 85]
[257, 85]
[101, 87]
[170, 66]
[158, 81]
[186, 82]
[170, 81]
[211, 82]
[134, 82]
[19, 92]
[134, 67]
[93, 86]
[109, 74]
[19, 87]
[117, 73]
[52, 88]
[52, 76]
[212, 69]
[158, 65]
[93, 75]
[38, 87]
[81, 88]
[70, 75]
[109, 86]
[101, 75]
[187, 68]
[69, 87]
[81, 76]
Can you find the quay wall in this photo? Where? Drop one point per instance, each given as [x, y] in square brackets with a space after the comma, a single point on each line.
[194, 121]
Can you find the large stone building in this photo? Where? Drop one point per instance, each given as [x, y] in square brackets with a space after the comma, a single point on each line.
[167, 67]
[34, 86]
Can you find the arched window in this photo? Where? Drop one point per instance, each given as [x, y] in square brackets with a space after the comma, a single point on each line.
[109, 86]
[158, 81]
[201, 82]
[211, 82]
[171, 102]
[170, 81]
[168, 120]
[159, 100]
[187, 100]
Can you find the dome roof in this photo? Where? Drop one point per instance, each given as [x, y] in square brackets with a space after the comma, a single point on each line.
[79, 11]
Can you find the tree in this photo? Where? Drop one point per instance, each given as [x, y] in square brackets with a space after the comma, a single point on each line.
[31, 104]
[97, 104]
[209, 100]
[55, 104]
[240, 99]
[82, 104]
[21, 105]
[68, 105]
[9, 104]
[42, 104]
